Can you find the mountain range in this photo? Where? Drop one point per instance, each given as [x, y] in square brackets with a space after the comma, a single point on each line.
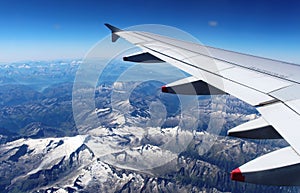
[146, 143]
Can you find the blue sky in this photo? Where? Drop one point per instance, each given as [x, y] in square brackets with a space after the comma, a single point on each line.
[54, 29]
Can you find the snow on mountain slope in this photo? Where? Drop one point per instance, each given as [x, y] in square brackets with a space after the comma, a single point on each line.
[123, 160]
[51, 158]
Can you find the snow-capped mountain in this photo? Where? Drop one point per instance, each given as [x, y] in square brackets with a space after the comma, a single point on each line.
[70, 164]
[137, 141]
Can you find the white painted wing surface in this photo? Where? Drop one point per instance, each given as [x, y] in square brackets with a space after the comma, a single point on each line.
[271, 86]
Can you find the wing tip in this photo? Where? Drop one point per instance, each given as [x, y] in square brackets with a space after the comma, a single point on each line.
[112, 28]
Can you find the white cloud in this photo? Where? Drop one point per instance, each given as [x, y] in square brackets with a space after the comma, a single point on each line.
[213, 23]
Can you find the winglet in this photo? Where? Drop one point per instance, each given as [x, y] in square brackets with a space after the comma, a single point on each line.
[114, 37]
[112, 28]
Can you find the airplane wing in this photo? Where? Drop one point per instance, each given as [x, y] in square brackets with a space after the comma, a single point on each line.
[273, 87]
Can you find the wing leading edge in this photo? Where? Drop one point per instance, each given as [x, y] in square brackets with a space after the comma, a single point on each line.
[269, 85]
